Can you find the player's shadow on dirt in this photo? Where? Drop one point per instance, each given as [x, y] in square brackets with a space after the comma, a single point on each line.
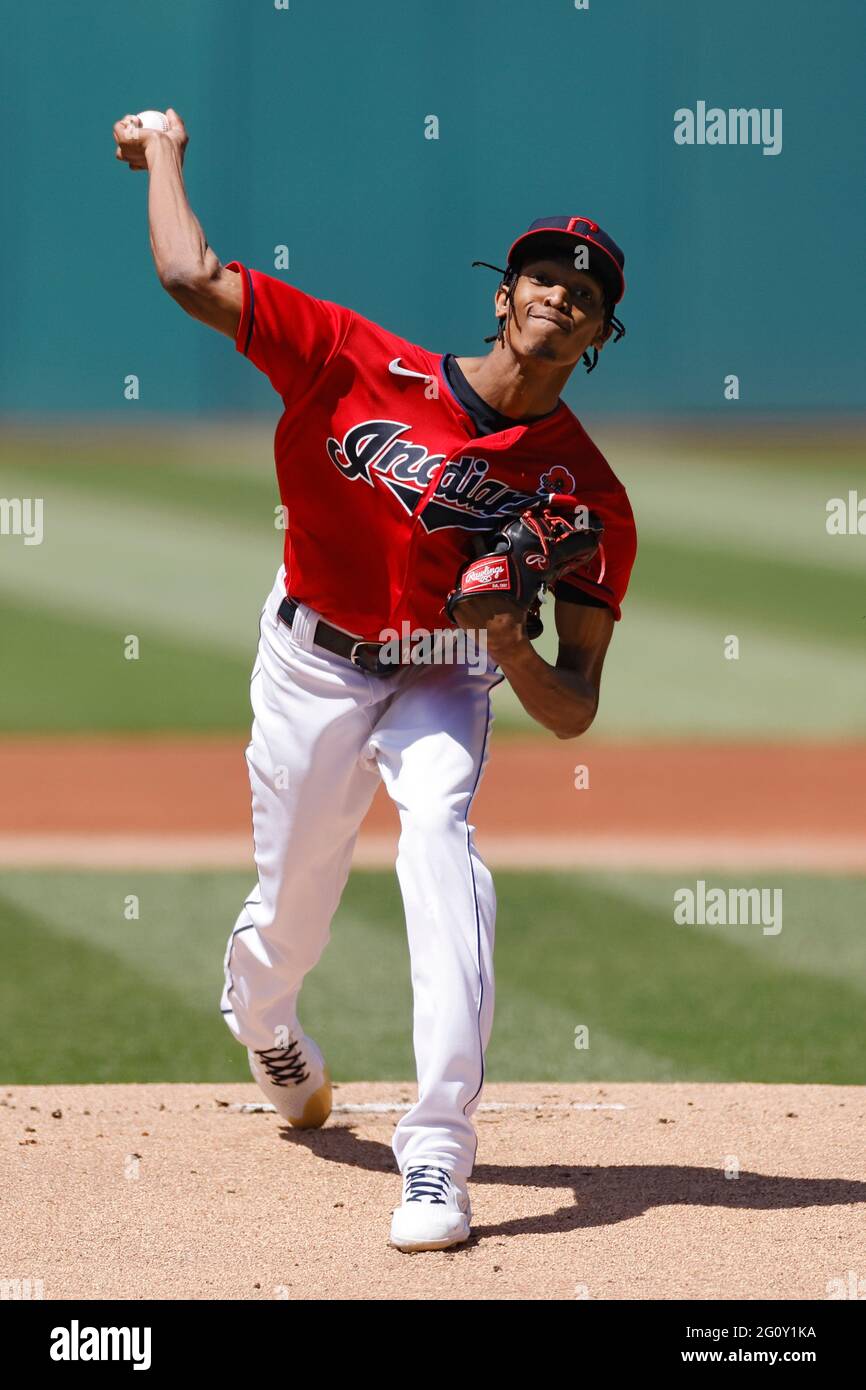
[605, 1196]
[602, 1196]
[340, 1144]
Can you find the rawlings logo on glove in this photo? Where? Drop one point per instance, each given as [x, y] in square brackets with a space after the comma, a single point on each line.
[546, 541]
[483, 576]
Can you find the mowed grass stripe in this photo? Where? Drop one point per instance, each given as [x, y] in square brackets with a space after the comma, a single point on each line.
[195, 472]
[63, 673]
[781, 450]
[822, 918]
[780, 685]
[787, 596]
[73, 1012]
[175, 950]
[176, 942]
[742, 503]
[152, 572]
[531, 1030]
[717, 1011]
[137, 1000]
[369, 945]
[666, 675]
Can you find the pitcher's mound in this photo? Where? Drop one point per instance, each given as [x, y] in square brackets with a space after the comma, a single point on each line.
[596, 1191]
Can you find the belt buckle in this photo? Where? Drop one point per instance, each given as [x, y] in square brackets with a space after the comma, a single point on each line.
[355, 658]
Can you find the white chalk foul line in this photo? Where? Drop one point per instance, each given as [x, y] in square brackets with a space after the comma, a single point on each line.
[389, 1107]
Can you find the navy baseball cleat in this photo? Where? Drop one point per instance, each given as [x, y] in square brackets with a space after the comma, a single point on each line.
[435, 1211]
[295, 1081]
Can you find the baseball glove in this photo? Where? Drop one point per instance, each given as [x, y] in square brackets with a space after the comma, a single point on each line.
[553, 536]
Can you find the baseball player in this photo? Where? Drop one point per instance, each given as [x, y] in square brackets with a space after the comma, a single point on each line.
[434, 491]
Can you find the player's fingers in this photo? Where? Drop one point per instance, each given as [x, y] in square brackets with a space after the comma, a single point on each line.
[124, 131]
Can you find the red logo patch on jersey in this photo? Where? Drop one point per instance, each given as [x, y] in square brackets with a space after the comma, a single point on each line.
[486, 575]
[556, 479]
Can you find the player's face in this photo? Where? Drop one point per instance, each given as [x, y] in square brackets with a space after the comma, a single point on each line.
[558, 311]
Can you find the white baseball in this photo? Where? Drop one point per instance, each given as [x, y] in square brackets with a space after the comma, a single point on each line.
[153, 120]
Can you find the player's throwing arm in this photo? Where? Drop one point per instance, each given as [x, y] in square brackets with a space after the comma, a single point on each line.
[187, 267]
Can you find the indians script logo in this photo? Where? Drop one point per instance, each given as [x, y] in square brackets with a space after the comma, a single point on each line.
[465, 494]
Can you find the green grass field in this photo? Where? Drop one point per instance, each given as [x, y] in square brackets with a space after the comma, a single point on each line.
[88, 996]
[169, 534]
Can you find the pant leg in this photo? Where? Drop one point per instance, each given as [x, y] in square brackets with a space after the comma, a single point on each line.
[431, 746]
[310, 791]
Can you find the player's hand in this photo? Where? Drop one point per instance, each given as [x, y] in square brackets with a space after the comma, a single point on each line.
[503, 621]
[132, 142]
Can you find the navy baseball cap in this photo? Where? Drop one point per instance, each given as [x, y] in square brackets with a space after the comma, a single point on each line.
[606, 260]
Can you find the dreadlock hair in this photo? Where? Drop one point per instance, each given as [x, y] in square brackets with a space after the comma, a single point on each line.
[509, 279]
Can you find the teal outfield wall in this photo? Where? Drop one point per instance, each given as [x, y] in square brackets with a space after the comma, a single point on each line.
[307, 129]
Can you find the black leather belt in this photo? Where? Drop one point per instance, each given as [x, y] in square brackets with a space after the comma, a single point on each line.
[365, 655]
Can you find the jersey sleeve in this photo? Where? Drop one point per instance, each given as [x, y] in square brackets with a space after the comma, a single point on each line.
[287, 334]
[606, 578]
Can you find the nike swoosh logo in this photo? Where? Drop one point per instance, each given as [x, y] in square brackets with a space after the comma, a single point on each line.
[406, 371]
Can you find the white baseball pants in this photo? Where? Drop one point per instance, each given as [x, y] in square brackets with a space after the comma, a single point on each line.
[324, 733]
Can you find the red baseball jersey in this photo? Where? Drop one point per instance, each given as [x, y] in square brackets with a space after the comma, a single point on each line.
[383, 476]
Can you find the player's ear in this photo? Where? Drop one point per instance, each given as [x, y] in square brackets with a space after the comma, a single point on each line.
[500, 302]
[602, 336]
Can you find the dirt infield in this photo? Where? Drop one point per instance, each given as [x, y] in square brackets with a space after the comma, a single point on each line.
[600, 1192]
[179, 802]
